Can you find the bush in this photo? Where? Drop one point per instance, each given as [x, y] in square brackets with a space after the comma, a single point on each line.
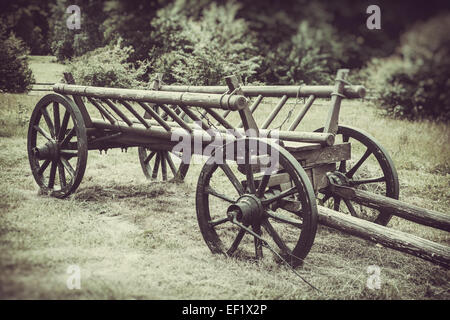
[108, 67]
[15, 75]
[204, 51]
[66, 43]
[417, 85]
[309, 57]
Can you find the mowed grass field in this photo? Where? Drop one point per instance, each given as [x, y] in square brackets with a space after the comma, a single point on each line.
[137, 239]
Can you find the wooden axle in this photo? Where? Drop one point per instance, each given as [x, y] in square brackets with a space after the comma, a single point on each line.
[204, 100]
[354, 91]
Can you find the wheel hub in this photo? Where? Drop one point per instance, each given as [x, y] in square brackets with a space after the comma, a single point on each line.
[247, 209]
[338, 178]
[49, 151]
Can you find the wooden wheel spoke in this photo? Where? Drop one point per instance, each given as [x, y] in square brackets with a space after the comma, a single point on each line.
[236, 242]
[237, 185]
[216, 222]
[276, 237]
[249, 175]
[156, 166]
[68, 137]
[44, 133]
[325, 198]
[171, 164]
[337, 203]
[263, 185]
[51, 179]
[350, 207]
[352, 171]
[65, 122]
[211, 191]
[164, 165]
[364, 181]
[56, 118]
[149, 157]
[342, 166]
[43, 167]
[282, 218]
[258, 243]
[49, 122]
[281, 195]
[62, 175]
[67, 166]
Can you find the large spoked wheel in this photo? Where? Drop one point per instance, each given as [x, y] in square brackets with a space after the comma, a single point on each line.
[275, 201]
[57, 145]
[370, 169]
[162, 165]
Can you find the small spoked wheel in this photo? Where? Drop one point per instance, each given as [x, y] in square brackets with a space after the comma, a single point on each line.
[244, 206]
[370, 168]
[57, 145]
[162, 165]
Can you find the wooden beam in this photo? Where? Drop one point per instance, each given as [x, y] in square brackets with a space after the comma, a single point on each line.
[331, 123]
[398, 240]
[274, 112]
[246, 115]
[204, 100]
[302, 113]
[354, 91]
[399, 208]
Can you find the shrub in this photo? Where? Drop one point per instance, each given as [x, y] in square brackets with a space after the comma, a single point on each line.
[417, 85]
[309, 57]
[108, 67]
[15, 75]
[66, 43]
[204, 51]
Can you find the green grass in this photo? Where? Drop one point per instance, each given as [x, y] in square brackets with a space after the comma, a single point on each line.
[46, 69]
[135, 239]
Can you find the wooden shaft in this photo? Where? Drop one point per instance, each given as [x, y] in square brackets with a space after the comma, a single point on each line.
[256, 103]
[302, 113]
[331, 123]
[274, 112]
[78, 101]
[351, 92]
[134, 112]
[155, 116]
[118, 112]
[175, 117]
[253, 107]
[325, 139]
[401, 241]
[160, 133]
[102, 110]
[194, 117]
[249, 122]
[204, 100]
[220, 119]
[399, 208]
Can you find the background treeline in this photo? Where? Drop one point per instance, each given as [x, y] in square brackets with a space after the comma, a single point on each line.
[123, 43]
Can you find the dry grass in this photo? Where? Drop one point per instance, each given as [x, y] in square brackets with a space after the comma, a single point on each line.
[137, 239]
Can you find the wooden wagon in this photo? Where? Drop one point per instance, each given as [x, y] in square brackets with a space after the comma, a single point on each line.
[275, 185]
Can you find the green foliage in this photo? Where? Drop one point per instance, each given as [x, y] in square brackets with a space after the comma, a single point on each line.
[15, 75]
[108, 67]
[67, 43]
[417, 85]
[203, 51]
[309, 57]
